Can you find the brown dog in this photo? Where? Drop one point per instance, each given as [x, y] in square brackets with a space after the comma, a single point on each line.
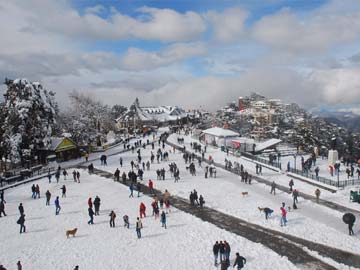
[244, 193]
[71, 232]
[261, 208]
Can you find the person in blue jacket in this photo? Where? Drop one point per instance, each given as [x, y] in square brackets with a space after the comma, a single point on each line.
[163, 219]
[131, 187]
[57, 205]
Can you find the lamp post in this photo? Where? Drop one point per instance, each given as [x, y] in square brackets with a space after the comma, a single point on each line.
[295, 161]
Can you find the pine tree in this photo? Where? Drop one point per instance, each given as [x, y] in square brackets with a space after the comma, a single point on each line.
[29, 114]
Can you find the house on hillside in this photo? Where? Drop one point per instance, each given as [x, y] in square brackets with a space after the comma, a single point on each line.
[59, 148]
[136, 117]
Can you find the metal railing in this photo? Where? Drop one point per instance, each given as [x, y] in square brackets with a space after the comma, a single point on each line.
[324, 180]
[261, 160]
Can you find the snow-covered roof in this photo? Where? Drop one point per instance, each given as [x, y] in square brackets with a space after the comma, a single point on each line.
[220, 132]
[264, 145]
[153, 113]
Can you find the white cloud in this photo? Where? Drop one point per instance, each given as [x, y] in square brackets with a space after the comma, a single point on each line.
[313, 32]
[57, 17]
[137, 59]
[228, 26]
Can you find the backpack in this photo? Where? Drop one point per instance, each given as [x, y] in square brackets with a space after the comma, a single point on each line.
[18, 222]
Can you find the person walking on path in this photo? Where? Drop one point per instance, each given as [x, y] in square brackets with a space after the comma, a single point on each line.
[131, 187]
[49, 177]
[126, 221]
[151, 187]
[21, 209]
[273, 187]
[48, 197]
[65, 174]
[291, 184]
[21, 222]
[74, 175]
[91, 215]
[97, 205]
[112, 219]
[57, 206]
[283, 215]
[351, 225]
[2, 208]
[201, 201]
[142, 210]
[19, 266]
[163, 219]
[239, 261]
[138, 227]
[37, 191]
[216, 252]
[63, 191]
[317, 194]
[78, 176]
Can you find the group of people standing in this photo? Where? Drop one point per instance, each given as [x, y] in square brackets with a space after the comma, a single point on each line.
[222, 250]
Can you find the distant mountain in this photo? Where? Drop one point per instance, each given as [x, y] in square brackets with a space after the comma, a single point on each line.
[347, 120]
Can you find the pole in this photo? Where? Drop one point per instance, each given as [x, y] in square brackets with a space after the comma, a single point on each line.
[338, 180]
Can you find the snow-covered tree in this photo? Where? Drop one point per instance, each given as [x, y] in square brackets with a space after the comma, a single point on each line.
[87, 119]
[29, 115]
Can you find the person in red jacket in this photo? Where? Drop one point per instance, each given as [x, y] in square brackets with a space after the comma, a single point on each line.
[90, 204]
[283, 215]
[151, 185]
[142, 210]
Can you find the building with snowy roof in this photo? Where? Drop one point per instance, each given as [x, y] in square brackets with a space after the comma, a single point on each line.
[138, 117]
[218, 136]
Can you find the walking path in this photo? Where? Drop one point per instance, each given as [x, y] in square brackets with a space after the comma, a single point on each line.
[283, 244]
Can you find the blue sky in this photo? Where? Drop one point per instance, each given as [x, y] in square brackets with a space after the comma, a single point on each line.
[188, 53]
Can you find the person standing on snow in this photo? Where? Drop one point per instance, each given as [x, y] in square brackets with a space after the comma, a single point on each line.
[138, 227]
[131, 187]
[163, 219]
[19, 266]
[216, 252]
[239, 261]
[126, 221]
[63, 191]
[201, 201]
[138, 187]
[91, 215]
[142, 210]
[57, 206]
[48, 197]
[2, 208]
[97, 205]
[273, 187]
[112, 219]
[317, 194]
[283, 215]
[291, 184]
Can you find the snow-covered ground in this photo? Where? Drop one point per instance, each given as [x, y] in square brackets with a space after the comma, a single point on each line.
[311, 221]
[342, 196]
[185, 244]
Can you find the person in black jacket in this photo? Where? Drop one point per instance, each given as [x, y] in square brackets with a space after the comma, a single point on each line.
[21, 222]
[48, 197]
[239, 261]
[91, 215]
[222, 251]
[97, 205]
[2, 208]
[21, 209]
[216, 252]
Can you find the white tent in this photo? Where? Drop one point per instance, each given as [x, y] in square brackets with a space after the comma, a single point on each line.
[218, 136]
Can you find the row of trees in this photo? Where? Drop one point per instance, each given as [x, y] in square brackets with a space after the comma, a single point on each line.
[30, 115]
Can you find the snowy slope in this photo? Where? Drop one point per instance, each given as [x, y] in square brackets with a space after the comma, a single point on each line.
[312, 222]
[186, 244]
